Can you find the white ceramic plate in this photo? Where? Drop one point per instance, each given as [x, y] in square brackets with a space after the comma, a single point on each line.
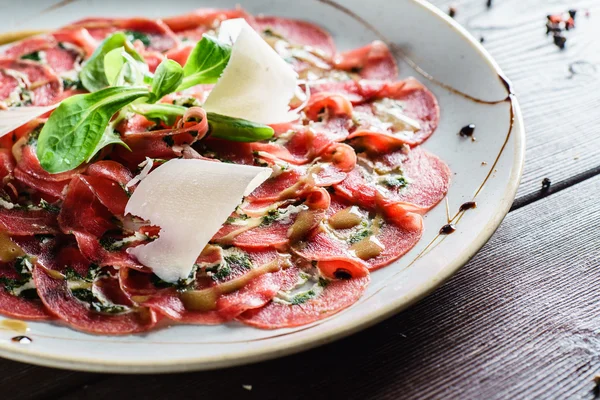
[488, 169]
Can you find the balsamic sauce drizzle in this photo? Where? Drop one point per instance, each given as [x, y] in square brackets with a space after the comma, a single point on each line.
[22, 339]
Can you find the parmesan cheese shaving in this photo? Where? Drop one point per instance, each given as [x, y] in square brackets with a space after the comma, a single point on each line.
[257, 83]
[189, 199]
[13, 118]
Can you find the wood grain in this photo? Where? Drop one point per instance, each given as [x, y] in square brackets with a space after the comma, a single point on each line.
[558, 90]
[519, 321]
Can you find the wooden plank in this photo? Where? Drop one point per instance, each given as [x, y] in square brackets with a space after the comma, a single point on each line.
[21, 381]
[519, 321]
[557, 89]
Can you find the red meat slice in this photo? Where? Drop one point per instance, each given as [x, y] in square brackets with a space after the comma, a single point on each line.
[399, 232]
[336, 296]
[17, 306]
[59, 300]
[261, 233]
[30, 173]
[333, 165]
[298, 32]
[428, 181]
[21, 76]
[374, 61]
[417, 103]
[192, 25]
[167, 301]
[164, 143]
[59, 58]
[23, 222]
[160, 36]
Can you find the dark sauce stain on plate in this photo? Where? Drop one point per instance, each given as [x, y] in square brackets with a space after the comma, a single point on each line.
[468, 206]
[22, 339]
[447, 229]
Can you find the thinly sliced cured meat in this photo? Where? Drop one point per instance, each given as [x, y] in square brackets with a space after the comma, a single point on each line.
[297, 32]
[18, 306]
[374, 61]
[162, 143]
[88, 304]
[360, 238]
[20, 221]
[293, 182]
[18, 296]
[30, 173]
[63, 51]
[335, 296]
[383, 125]
[155, 35]
[278, 227]
[193, 25]
[418, 178]
[25, 82]
[240, 280]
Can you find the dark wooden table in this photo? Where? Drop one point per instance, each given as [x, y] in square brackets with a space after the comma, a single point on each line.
[521, 320]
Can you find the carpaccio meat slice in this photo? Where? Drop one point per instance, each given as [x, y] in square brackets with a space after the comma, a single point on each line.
[298, 32]
[374, 61]
[227, 283]
[30, 173]
[155, 35]
[162, 143]
[415, 177]
[293, 182]
[193, 25]
[278, 227]
[88, 299]
[379, 128]
[18, 296]
[25, 82]
[361, 238]
[63, 51]
[321, 300]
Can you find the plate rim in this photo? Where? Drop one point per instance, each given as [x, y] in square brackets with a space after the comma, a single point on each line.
[327, 336]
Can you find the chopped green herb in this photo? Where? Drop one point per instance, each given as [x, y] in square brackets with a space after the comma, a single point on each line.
[323, 282]
[49, 207]
[220, 272]
[72, 275]
[397, 181]
[238, 217]
[271, 216]
[35, 56]
[239, 260]
[84, 295]
[72, 84]
[360, 235]
[303, 297]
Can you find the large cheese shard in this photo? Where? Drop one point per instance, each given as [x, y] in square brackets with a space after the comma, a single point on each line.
[189, 200]
[257, 83]
[13, 118]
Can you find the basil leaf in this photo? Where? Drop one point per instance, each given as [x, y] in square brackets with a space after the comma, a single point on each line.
[236, 129]
[167, 78]
[121, 69]
[108, 137]
[92, 75]
[205, 63]
[72, 133]
[167, 113]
